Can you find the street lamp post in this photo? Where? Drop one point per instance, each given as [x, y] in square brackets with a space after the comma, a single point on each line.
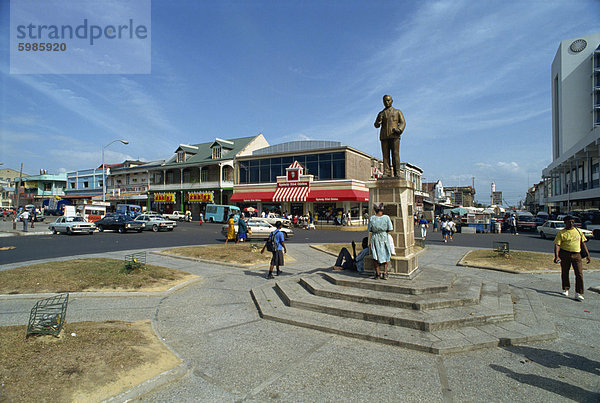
[104, 168]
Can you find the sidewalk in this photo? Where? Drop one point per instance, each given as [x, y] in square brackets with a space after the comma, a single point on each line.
[41, 228]
[231, 354]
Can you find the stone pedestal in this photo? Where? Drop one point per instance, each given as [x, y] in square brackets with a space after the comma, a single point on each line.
[398, 197]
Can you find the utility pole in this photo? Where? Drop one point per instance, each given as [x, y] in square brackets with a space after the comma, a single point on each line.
[18, 191]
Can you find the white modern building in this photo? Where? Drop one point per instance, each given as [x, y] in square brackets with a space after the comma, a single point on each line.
[572, 178]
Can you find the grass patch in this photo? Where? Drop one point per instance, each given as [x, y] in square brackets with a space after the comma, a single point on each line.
[246, 253]
[100, 361]
[96, 274]
[517, 260]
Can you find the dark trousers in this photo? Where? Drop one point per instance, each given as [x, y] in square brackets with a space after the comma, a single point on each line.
[391, 146]
[568, 259]
[346, 258]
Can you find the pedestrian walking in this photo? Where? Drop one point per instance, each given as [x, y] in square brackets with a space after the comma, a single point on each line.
[424, 224]
[242, 230]
[512, 222]
[24, 217]
[380, 225]
[34, 217]
[451, 228]
[201, 218]
[230, 229]
[569, 249]
[436, 223]
[277, 239]
[445, 229]
[4, 214]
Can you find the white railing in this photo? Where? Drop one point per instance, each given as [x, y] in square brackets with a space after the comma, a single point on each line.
[196, 185]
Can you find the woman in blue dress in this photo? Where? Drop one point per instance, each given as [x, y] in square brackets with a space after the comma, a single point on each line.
[381, 250]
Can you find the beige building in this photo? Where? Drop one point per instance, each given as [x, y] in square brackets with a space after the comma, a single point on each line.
[298, 177]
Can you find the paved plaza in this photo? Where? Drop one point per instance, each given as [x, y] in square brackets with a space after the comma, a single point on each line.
[230, 354]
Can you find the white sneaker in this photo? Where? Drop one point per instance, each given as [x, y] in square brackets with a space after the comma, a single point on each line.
[565, 293]
[579, 297]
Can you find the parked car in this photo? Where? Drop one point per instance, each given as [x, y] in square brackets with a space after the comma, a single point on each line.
[576, 220]
[273, 220]
[175, 215]
[119, 222]
[551, 228]
[259, 228]
[71, 225]
[155, 222]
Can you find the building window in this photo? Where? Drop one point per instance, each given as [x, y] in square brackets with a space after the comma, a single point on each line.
[86, 184]
[135, 179]
[204, 175]
[180, 156]
[100, 184]
[72, 185]
[186, 177]
[47, 187]
[169, 177]
[216, 152]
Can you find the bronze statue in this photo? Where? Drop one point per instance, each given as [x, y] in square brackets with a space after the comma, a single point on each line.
[392, 123]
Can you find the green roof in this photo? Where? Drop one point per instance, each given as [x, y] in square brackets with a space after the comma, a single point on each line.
[203, 154]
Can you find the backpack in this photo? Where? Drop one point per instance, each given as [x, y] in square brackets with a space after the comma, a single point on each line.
[271, 243]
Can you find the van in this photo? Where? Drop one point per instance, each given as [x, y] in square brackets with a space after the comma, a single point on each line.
[220, 213]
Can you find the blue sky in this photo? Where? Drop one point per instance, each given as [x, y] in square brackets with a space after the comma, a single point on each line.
[471, 77]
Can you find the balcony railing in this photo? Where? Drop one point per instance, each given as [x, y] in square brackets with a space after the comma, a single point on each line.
[196, 185]
[127, 189]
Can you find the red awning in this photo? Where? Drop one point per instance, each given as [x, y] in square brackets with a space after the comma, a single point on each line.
[338, 195]
[247, 197]
[291, 194]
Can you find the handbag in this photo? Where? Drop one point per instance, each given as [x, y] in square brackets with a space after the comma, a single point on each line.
[582, 250]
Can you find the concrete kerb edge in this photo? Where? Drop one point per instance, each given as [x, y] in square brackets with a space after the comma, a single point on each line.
[320, 249]
[196, 259]
[461, 264]
[162, 379]
[108, 294]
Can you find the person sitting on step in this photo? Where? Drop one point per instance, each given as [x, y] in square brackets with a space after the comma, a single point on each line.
[346, 262]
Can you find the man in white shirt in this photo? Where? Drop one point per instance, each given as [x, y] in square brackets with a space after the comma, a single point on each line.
[24, 217]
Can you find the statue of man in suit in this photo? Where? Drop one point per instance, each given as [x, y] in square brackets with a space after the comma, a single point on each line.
[392, 123]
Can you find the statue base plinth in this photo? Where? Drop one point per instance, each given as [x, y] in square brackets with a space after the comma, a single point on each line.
[398, 197]
[401, 266]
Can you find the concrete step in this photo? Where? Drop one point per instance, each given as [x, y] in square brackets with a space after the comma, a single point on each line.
[464, 291]
[493, 307]
[430, 281]
[531, 324]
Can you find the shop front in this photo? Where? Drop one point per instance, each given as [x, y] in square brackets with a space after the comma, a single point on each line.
[196, 202]
[163, 202]
[298, 194]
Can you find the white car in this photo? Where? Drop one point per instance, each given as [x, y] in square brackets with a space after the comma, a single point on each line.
[156, 222]
[260, 229]
[273, 220]
[551, 228]
[71, 225]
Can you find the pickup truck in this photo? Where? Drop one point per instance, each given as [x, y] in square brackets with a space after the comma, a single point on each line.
[176, 215]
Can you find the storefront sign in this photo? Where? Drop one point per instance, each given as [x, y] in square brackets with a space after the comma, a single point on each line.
[164, 198]
[292, 184]
[200, 197]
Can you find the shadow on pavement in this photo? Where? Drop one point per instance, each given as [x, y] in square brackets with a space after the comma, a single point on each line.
[552, 385]
[553, 359]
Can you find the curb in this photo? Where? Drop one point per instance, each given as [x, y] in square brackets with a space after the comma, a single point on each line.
[157, 381]
[108, 294]
[320, 249]
[237, 265]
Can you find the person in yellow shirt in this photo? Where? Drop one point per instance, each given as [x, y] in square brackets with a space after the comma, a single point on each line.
[567, 252]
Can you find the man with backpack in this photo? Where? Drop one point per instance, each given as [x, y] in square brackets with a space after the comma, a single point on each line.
[276, 245]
